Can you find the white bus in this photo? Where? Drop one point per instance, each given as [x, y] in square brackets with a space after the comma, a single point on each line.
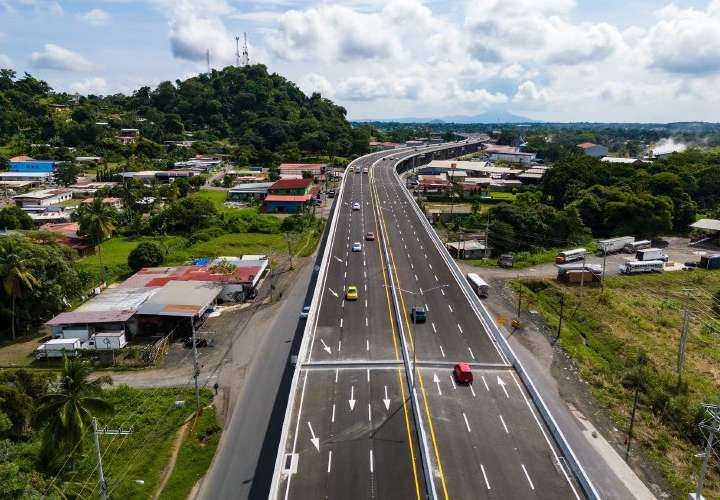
[639, 266]
[636, 245]
[478, 284]
[570, 255]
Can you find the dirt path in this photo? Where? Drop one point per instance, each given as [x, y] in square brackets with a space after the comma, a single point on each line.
[175, 451]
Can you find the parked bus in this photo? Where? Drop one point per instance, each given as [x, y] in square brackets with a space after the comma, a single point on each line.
[570, 255]
[478, 284]
[636, 245]
[638, 266]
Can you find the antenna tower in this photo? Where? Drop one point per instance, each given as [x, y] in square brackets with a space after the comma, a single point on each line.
[245, 54]
[237, 51]
[207, 58]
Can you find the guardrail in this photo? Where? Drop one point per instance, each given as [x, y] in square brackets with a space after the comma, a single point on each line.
[487, 320]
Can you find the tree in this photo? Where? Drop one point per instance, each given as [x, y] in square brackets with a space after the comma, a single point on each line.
[16, 277]
[13, 217]
[146, 254]
[67, 413]
[97, 222]
[67, 173]
[501, 237]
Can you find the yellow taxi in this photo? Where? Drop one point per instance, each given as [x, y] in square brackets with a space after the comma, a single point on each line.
[351, 293]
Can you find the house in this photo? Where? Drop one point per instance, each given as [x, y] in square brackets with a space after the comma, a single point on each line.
[42, 198]
[254, 190]
[594, 150]
[90, 188]
[27, 164]
[315, 169]
[291, 187]
[68, 236]
[111, 201]
[288, 196]
[468, 249]
[89, 159]
[128, 136]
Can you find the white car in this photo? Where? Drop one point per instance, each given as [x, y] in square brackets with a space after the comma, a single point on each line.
[357, 247]
[356, 206]
[305, 312]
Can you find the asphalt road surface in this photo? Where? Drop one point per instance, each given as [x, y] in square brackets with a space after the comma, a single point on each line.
[351, 431]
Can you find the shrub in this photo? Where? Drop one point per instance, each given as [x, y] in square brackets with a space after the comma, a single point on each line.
[146, 254]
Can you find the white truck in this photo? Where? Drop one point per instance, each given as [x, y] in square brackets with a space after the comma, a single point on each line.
[478, 284]
[613, 245]
[57, 348]
[647, 254]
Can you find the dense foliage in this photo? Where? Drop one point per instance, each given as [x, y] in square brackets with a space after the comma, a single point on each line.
[146, 254]
[247, 112]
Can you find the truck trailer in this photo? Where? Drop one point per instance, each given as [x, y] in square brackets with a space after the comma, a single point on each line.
[613, 245]
[647, 254]
[710, 261]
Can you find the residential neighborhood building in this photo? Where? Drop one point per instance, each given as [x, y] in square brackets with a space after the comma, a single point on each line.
[626, 161]
[33, 177]
[317, 170]
[68, 236]
[128, 136]
[594, 150]
[42, 198]
[111, 201]
[244, 192]
[27, 164]
[468, 249]
[509, 154]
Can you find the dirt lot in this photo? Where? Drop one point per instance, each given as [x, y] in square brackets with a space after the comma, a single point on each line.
[678, 250]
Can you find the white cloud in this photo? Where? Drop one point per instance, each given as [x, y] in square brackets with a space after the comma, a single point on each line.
[41, 7]
[686, 41]
[6, 62]
[313, 82]
[96, 85]
[529, 94]
[59, 58]
[95, 17]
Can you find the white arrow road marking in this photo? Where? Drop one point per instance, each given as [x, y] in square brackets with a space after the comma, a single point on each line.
[331, 291]
[436, 380]
[325, 346]
[501, 383]
[315, 441]
[532, 486]
[338, 258]
[386, 400]
[351, 401]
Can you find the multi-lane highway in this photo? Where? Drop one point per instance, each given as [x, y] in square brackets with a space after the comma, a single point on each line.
[351, 430]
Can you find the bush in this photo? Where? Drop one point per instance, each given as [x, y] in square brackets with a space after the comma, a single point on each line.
[206, 234]
[146, 254]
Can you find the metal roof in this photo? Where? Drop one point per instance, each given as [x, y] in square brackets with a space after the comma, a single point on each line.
[89, 317]
[709, 224]
[181, 298]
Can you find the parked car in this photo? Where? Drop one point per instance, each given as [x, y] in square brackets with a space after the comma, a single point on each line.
[305, 312]
[462, 373]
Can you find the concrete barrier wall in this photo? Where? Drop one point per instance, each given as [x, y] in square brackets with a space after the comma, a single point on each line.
[500, 340]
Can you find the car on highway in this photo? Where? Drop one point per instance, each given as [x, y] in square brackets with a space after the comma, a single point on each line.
[365, 170]
[357, 247]
[370, 236]
[305, 312]
[351, 293]
[462, 373]
[356, 206]
[418, 313]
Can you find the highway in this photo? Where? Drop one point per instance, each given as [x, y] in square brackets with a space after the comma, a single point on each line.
[351, 429]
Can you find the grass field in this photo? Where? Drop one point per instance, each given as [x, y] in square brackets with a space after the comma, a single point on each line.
[195, 456]
[604, 333]
[134, 463]
[218, 198]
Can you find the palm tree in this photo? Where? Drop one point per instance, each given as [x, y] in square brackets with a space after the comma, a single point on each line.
[97, 222]
[16, 277]
[68, 412]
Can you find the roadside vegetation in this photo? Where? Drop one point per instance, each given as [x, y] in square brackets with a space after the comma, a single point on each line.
[46, 435]
[628, 337]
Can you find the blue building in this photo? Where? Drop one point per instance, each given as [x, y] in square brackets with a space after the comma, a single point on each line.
[41, 166]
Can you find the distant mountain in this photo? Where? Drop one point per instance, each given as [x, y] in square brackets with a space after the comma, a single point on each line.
[495, 116]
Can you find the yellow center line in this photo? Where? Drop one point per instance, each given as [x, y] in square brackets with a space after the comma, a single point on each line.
[394, 339]
[411, 336]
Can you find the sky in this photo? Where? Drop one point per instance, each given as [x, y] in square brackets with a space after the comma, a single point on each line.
[552, 60]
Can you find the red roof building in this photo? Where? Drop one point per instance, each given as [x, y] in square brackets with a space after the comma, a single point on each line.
[68, 236]
[21, 158]
[299, 168]
[291, 187]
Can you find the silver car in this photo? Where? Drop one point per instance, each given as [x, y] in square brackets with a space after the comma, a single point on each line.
[357, 247]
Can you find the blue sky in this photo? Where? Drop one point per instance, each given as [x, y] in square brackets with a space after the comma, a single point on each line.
[573, 60]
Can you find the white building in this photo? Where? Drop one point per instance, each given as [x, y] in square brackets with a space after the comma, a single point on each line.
[43, 198]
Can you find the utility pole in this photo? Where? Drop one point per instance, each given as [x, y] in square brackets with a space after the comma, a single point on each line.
[245, 53]
[102, 485]
[582, 277]
[519, 304]
[196, 366]
[683, 338]
[602, 277]
[711, 426]
[237, 51]
[632, 421]
[207, 59]
[562, 307]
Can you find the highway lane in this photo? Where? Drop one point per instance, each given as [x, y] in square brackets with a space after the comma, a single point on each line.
[467, 462]
[352, 434]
